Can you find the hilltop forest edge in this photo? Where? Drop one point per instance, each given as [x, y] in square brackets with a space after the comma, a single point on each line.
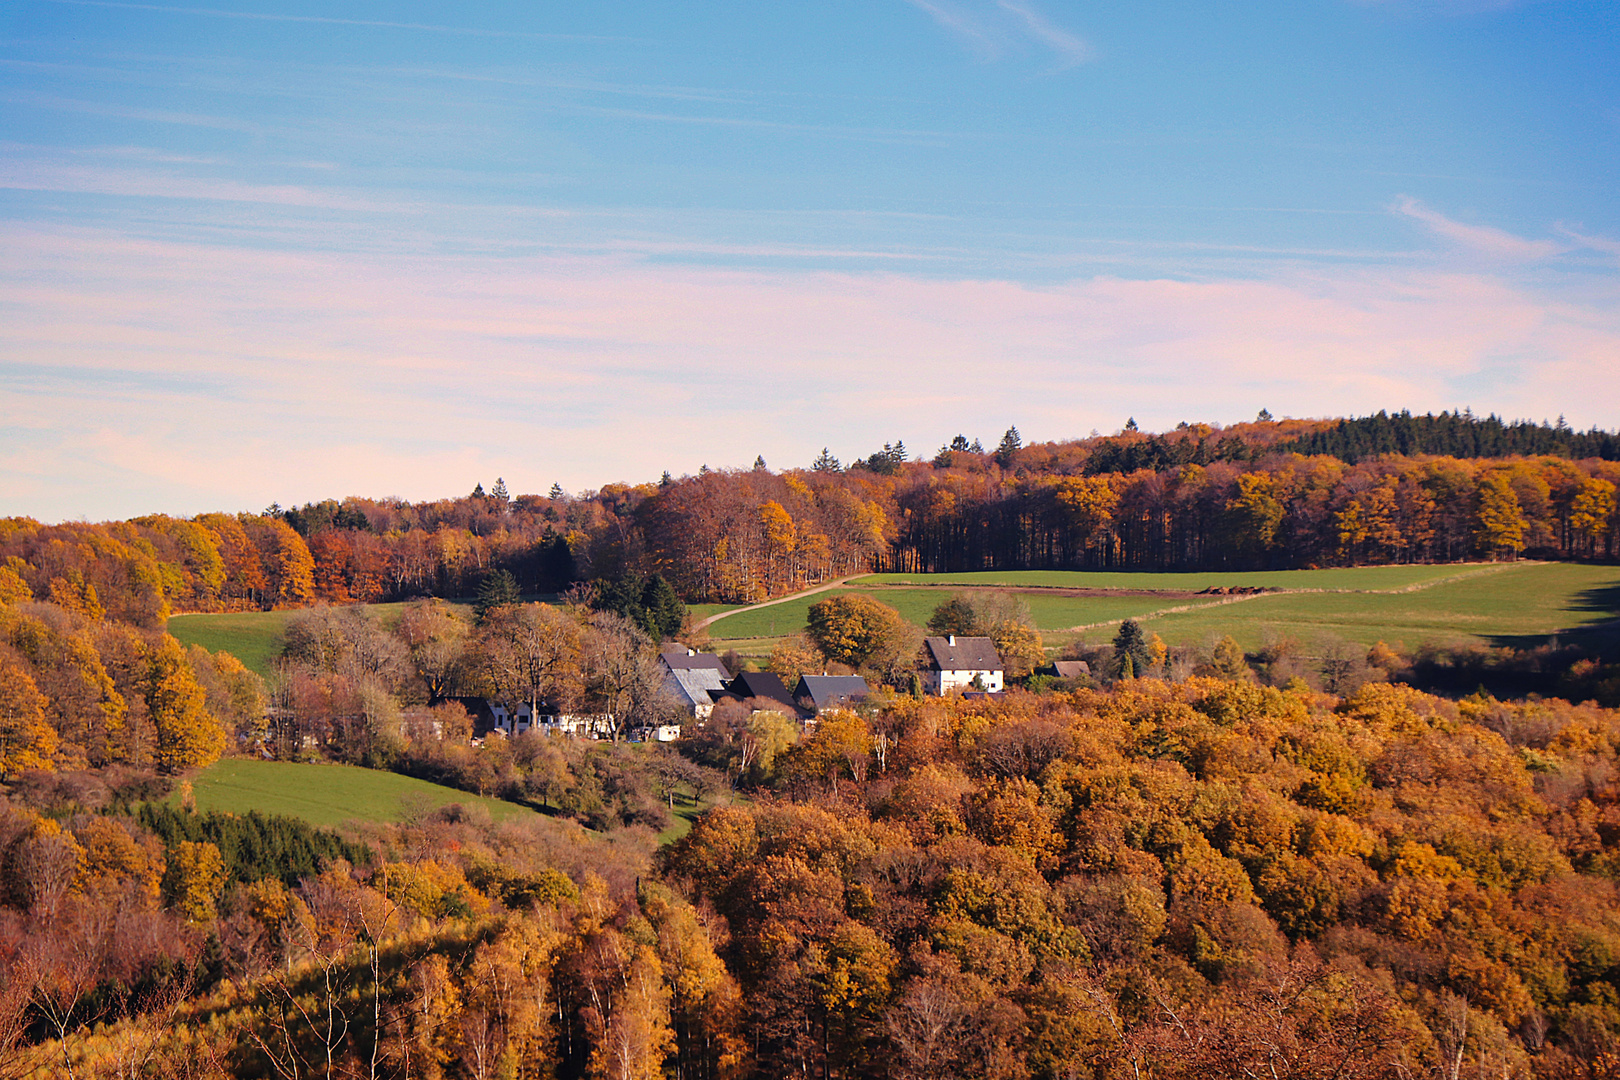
[1185, 865]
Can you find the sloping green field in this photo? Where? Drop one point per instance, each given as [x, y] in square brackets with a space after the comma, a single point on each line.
[1355, 577]
[255, 637]
[1520, 605]
[329, 794]
[1497, 604]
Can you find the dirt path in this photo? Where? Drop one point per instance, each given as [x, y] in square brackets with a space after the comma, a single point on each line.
[778, 600]
[1177, 594]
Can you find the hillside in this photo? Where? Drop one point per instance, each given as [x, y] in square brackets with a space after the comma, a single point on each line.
[1522, 605]
[328, 794]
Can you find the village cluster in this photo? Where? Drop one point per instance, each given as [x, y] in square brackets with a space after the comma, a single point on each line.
[697, 681]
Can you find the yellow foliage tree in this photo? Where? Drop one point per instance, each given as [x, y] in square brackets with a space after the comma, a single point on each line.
[13, 589]
[1591, 511]
[187, 737]
[198, 877]
[26, 740]
[1498, 521]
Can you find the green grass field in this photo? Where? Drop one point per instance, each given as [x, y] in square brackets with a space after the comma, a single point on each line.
[1358, 577]
[1521, 605]
[255, 637]
[328, 794]
[1497, 604]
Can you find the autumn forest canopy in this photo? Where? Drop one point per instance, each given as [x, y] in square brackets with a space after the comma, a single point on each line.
[1265, 495]
[1160, 861]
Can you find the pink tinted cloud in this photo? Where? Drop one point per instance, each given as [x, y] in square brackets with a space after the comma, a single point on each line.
[182, 377]
[1490, 242]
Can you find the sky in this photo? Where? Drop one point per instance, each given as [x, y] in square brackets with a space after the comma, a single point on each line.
[256, 251]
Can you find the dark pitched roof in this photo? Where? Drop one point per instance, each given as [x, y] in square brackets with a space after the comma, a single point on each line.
[1068, 669]
[824, 691]
[691, 660]
[963, 654]
[761, 684]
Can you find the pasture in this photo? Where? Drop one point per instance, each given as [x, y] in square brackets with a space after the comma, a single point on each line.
[329, 795]
[1518, 604]
[255, 637]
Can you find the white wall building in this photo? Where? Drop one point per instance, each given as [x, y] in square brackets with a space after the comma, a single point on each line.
[954, 662]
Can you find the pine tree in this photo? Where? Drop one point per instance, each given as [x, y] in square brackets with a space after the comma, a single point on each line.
[1011, 443]
[1132, 656]
[664, 612]
[498, 589]
[826, 463]
[499, 490]
[556, 493]
[759, 463]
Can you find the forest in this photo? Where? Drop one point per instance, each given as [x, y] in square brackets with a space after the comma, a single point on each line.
[1209, 877]
[1264, 495]
[1186, 864]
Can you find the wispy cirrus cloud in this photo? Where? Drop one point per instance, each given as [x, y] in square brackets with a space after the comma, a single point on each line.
[1070, 48]
[1594, 243]
[143, 375]
[1493, 243]
[992, 31]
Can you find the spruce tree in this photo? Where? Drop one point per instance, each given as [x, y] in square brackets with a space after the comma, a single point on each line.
[1011, 443]
[498, 589]
[662, 610]
[1131, 653]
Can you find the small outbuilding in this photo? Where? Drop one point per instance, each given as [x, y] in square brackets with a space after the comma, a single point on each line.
[822, 692]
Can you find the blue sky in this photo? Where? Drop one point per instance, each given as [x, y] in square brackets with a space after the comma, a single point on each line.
[262, 251]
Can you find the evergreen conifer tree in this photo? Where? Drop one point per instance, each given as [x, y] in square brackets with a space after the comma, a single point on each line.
[826, 463]
[1132, 656]
[1011, 443]
[498, 589]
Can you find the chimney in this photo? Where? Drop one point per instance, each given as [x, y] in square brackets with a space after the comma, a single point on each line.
[691, 652]
[951, 641]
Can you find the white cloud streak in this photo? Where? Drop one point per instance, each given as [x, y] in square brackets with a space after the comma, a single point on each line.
[1070, 49]
[1492, 243]
[147, 376]
[991, 31]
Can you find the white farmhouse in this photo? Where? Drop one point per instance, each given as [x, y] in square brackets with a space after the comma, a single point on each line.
[955, 662]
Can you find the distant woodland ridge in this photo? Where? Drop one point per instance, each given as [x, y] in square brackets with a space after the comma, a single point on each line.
[1263, 495]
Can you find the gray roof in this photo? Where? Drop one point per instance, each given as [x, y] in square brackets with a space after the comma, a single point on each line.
[1070, 669]
[963, 654]
[825, 691]
[691, 660]
[692, 685]
[761, 684]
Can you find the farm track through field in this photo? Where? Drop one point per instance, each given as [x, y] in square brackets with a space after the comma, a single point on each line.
[1413, 588]
[1085, 592]
[771, 603]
